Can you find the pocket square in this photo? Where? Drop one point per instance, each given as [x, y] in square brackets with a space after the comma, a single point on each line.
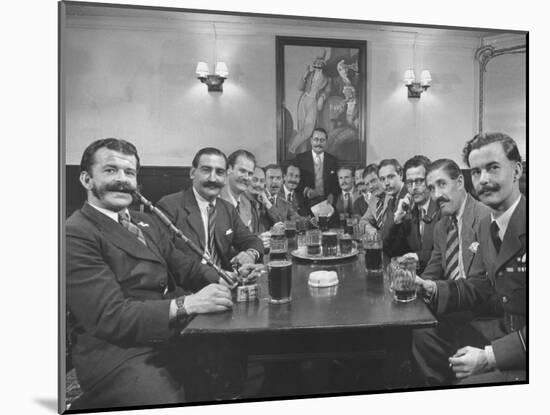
[143, 224]
[229, 231]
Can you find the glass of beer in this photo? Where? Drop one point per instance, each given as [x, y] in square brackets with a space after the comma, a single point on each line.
[329, 243]
[279, 243]
[343, 220]
[301, 227]
[346, 244]
[323, 222]
[313, 242]
[279, 281]
[402, 273]
[348, 228]
[373, 252]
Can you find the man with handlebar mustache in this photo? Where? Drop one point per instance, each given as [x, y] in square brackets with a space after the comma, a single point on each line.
[493, 346]
[129, 290]
[193, 209]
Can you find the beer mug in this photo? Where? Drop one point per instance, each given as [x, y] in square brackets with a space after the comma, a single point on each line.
[313, 242]
[324, 222]
[402, 275]
[279, 281]
[279, 243]
[329, 243]
[372, 242]
[347, 244]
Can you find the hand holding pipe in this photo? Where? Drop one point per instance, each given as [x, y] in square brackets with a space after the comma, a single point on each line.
[160, 214]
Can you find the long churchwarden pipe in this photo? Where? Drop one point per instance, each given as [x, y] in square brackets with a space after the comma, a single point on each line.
[226, 277]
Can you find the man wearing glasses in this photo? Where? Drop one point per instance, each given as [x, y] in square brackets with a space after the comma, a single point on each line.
[318, 180]
[410, 232]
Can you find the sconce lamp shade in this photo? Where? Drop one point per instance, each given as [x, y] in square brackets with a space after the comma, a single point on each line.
[425, 78]
[202, 70]
[214, 81]
[409, 77]
[221, 69]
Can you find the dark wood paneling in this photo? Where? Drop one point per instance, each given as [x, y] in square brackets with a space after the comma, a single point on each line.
[154, 183]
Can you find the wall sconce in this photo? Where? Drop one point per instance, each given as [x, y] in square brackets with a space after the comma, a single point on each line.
[416, 88]
[213, 81]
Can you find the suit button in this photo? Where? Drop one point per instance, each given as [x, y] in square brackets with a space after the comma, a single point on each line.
[504, 299]
[500, 274]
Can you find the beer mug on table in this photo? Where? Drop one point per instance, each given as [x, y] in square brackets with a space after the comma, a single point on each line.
[313, 242]
[402, 275]
[279, 243]
[372, 242]
[279, 281]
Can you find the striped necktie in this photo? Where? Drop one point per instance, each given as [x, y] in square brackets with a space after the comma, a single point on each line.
[379, 212]
[452, 271]
[211, 209]
[124, 220]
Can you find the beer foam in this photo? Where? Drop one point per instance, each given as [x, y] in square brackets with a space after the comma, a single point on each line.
[279, 263]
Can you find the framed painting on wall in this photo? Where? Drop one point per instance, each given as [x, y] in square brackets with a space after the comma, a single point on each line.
[321, 83]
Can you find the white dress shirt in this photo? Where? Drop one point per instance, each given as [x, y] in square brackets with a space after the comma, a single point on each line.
[203, 207]
[504, 219]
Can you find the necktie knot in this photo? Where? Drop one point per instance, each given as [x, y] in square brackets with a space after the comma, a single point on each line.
[124, 220]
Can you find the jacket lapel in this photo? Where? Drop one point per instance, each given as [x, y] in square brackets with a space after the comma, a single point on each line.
[514, 239]
[119, 236]
[193, 217]
[469, 222]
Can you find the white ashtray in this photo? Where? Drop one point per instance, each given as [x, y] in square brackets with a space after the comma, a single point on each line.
[323, 279]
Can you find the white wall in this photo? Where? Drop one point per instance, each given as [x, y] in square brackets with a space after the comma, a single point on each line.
[134, 79]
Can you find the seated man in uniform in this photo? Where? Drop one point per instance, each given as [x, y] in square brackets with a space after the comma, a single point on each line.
[128, 289]
[493, 347]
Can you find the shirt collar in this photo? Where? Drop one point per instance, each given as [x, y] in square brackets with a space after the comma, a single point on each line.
[232, 199]
[107, 212]
[504, 219]
[286, 191]
[425, 206]
[461, 210]
[202, 202]
[322, 155]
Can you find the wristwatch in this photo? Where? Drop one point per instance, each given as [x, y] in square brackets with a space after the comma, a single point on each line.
[181, 311]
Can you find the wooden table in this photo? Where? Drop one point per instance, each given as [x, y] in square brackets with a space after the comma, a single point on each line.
[356, 317]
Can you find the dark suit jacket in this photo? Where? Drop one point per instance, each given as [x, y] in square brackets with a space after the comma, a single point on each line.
[231, 234]
[298, 202]
[307, 173]
[496, 286]
[474, 212]
[390, 205]
[281, 211]
[405, 236]
[115, 289]
[360, 206]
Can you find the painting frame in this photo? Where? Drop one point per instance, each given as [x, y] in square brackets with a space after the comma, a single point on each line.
[339, 126]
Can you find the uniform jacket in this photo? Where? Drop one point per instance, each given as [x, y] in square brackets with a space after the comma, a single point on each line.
[307, 173]
[405, 237]
[230, 236]
[474, 212]
[116, 289]
[496, 287]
